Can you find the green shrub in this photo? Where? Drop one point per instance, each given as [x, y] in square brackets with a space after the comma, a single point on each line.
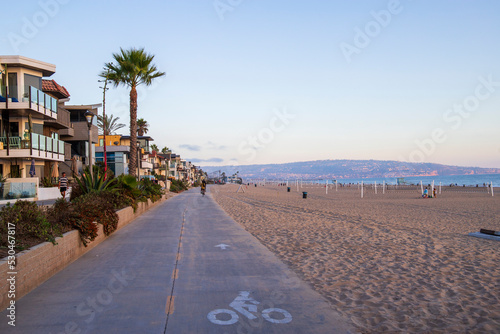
[60, 212]
[96, 182]
[178, 186]
[126, 192]
[47, 182]
[31, 223]
[150, 190]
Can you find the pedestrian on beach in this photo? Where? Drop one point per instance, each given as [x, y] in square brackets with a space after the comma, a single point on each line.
[63, 184]
[426, 193]
[434, 192]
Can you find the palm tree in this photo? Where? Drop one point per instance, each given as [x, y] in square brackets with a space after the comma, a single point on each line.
[142, 127]
[112, 124]
[165, 150]
[132, 68]
[153, 147]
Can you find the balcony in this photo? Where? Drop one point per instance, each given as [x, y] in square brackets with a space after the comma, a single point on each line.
[62, 122]
[70, 132]
[35, 101]
[146, 165]
[42, 147]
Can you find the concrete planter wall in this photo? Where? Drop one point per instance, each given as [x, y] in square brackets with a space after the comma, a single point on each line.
[37, 264]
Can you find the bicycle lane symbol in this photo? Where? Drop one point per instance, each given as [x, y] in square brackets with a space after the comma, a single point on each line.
[247, 306]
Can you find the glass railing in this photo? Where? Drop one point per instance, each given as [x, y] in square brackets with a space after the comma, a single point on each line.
[44, 143]
[42, 99]
[15, 190]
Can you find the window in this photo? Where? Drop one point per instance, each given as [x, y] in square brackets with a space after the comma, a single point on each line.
[37, 128]
[101, 142]
[31, 80]
[13, 85]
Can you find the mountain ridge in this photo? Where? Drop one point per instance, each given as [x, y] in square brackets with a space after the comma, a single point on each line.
[347, 169]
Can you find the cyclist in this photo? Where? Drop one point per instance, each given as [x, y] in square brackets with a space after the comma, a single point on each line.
[203, 186]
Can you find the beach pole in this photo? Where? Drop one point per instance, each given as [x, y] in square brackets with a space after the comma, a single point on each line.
[336, 188]
[432, 188]
[491, 188]
[439, 188]
[383, 187]
[375, 187]
[422, 187]
[326, 187]
[361, 189]
[297, 185]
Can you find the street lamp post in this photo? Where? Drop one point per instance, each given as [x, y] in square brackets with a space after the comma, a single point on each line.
[90, 116]
[138, 160]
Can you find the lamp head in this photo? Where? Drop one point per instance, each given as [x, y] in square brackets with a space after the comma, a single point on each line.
[89, 116]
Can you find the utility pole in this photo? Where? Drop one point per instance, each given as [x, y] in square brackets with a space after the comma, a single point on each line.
[104, 127]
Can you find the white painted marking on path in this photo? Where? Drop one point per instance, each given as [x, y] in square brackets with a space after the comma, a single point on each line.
[222, 246]
[247, 306]
[212, 316]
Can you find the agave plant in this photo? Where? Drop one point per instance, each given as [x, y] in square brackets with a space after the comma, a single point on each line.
[96, 182]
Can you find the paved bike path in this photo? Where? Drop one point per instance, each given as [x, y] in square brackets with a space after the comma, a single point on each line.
[164, 273]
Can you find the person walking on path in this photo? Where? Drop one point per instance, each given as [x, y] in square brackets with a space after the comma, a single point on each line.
[63, 184]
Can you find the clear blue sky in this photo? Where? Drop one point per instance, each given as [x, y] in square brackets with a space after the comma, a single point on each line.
[390, 80]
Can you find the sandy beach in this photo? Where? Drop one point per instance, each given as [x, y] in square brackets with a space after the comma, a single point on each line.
[390, 262]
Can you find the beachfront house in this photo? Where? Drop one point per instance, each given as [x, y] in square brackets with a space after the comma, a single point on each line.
[29, 123]
[118, 151]
[78, 137]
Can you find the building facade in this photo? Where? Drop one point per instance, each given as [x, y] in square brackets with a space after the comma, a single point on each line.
[30, 120]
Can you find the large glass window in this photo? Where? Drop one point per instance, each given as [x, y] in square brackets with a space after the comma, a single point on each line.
[31, 80]
[13, 86]
[37, 128]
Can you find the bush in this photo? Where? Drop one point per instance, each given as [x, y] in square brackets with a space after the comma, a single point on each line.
[89, 209]
[47, 182]
[31, 223]
[178, 186]
[150, 190]
[126, 192]
[59, 213]
[76, 191]
[96, 182]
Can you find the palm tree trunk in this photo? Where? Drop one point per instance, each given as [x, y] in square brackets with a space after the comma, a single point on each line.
[133, 163]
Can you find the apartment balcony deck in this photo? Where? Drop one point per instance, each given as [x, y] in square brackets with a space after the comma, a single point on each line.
[36, 103]
[40, 147]
[146, 165]
[62, 122]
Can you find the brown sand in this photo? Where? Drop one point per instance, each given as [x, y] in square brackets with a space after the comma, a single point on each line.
[390, 262]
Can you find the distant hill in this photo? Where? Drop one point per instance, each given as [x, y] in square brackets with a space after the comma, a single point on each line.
[346, 169]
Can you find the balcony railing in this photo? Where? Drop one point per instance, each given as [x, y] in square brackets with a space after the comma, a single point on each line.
[63, 119]
[42, 99]
[39, 142]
